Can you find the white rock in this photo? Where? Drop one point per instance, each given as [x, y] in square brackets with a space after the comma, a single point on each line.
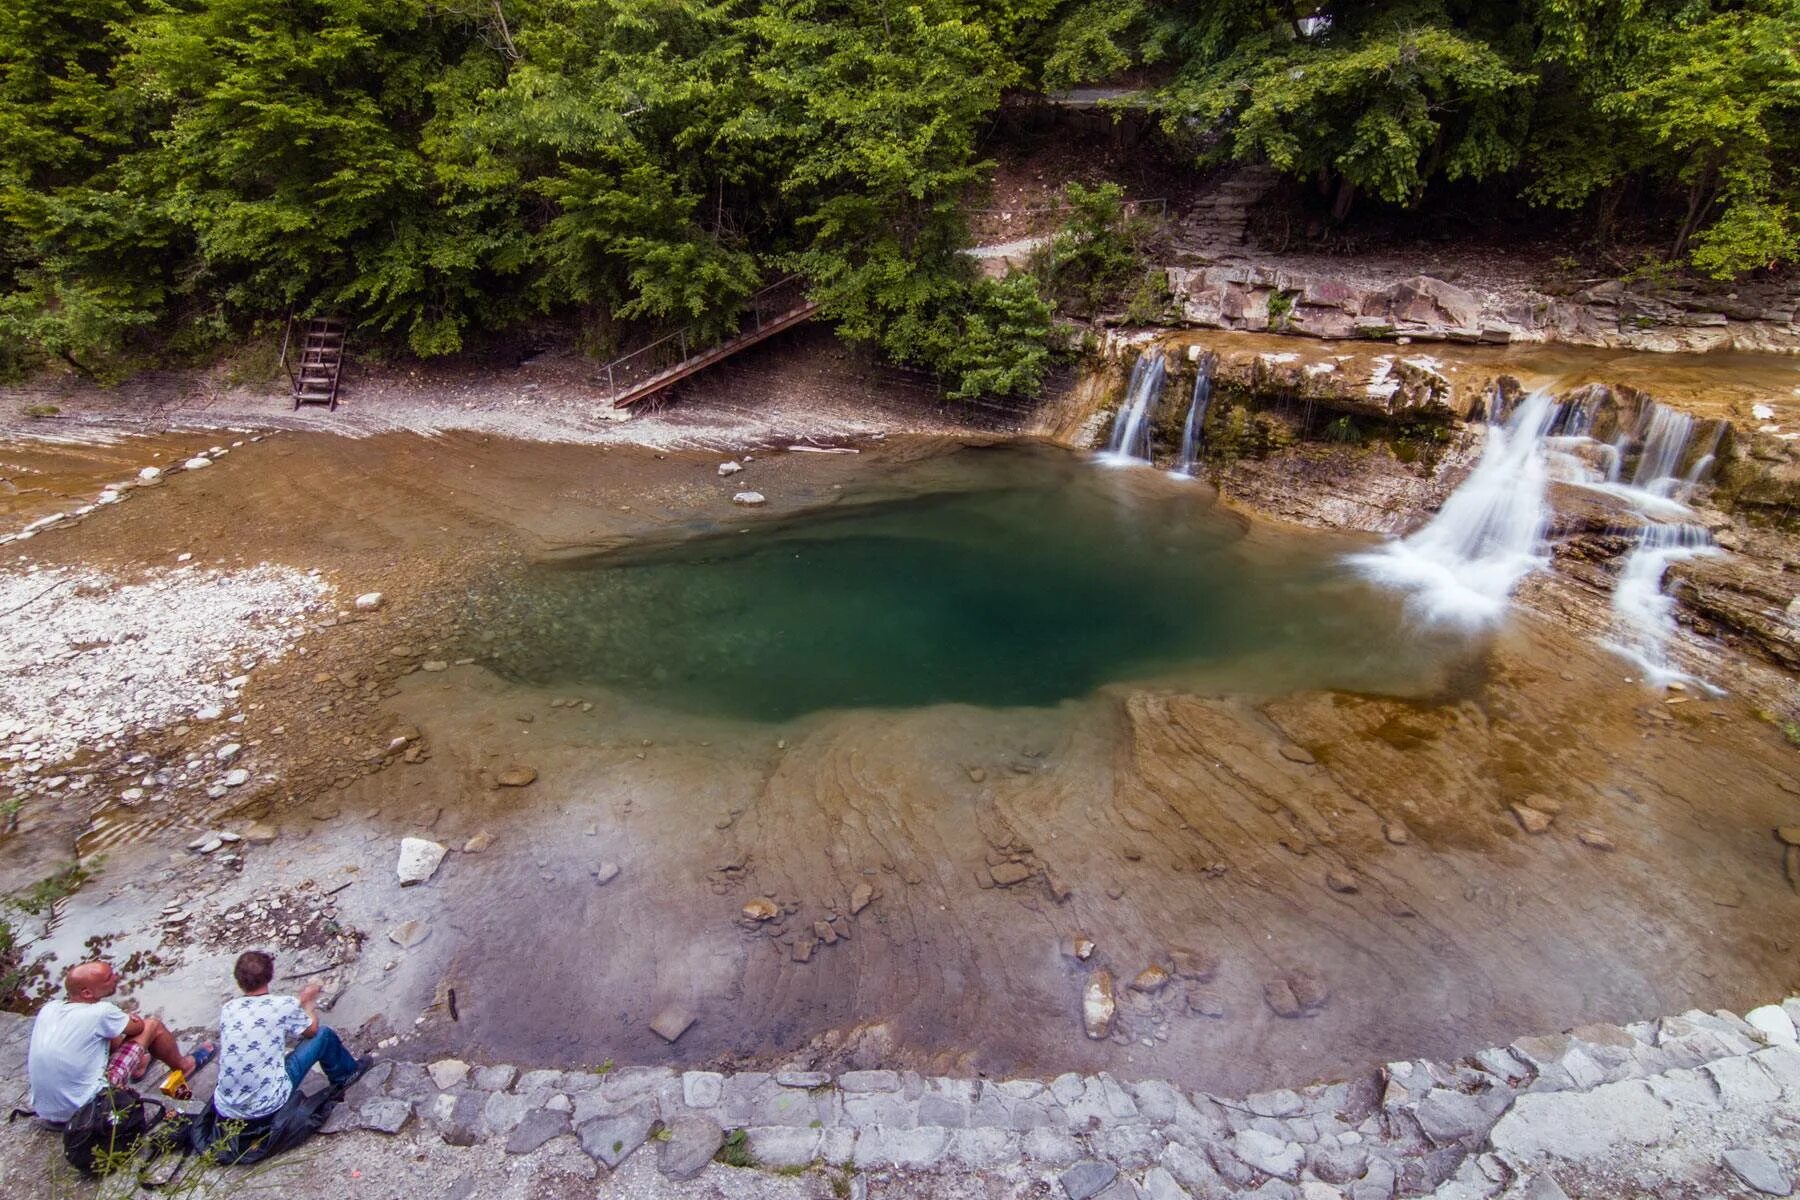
[750, 499]
[208, 712]
[1762, 412]
[237, 778]
[150, 474]
[419, 860]
[448, 1072]
[227, 752]
[369, 601]
[1775, 1024]
[730, 468]
[194, 464]
[183, 557]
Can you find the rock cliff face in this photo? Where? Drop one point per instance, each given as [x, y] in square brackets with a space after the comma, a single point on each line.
[1609, 313]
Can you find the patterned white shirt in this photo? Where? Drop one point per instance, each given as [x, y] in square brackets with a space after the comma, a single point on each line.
[253, 1034]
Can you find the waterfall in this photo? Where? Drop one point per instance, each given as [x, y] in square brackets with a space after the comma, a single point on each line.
[1462, 566]
[1643, 614]
[1131, 428]
[1665, 433]
[1191, 429]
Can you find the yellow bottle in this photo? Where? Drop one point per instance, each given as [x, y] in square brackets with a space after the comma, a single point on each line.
[175, 1086]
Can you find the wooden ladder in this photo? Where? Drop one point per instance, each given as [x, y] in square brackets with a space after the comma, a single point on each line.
[320, 362]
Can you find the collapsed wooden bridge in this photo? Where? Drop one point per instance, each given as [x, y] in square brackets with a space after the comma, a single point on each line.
[644, 372]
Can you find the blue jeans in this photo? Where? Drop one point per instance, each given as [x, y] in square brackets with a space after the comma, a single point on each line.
[328, 1052]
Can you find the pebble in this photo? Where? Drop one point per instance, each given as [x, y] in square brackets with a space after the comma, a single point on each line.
[1532, 820]
[408, 934]
[605, 873]
[1594, 839]
[1098, 1005]
[478, 843]
[196, 463]
[1151, 979]
[1396, 833]
[236, 778]
[1342, 882]
[516, 777]
[762, 909]
[749, 499]
[730, 468]
[369, 601]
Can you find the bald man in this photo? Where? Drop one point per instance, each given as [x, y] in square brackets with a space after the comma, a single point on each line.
[83, 1041]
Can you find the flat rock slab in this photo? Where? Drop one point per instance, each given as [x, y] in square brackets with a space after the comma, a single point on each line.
[1087, 1179]
[538, 1127]
[384, 1116]
[691, 1144]
[612, 1140]
[671, 1022]
[1758, 1171]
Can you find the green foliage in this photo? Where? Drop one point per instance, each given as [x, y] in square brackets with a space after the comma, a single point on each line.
[735, 1150]
[175, 174]
[1098, 252]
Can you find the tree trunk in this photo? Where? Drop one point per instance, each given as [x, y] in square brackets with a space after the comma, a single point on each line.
[1346, 197]
[1700, 198]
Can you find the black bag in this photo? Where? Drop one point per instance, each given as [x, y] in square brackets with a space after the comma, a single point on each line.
[241, 1143]
[109, 1129]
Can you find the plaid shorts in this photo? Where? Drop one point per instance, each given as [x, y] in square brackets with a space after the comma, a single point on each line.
[129, 1062]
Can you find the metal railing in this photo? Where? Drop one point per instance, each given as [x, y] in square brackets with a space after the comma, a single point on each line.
[765, 308]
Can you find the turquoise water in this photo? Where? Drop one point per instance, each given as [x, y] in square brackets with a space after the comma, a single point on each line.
[999, 576]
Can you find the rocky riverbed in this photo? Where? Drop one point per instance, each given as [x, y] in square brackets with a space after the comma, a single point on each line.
[1168, 881]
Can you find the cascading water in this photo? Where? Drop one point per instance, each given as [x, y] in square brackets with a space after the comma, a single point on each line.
[1665, 434]
[1191, 429]
[1131, 428]
[1642, 613]
[1462, 567]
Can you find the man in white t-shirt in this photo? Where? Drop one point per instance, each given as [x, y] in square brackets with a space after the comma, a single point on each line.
[83, 1041]
[257, 1073]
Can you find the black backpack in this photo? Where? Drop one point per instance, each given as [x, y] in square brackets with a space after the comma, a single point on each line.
[114, 1128]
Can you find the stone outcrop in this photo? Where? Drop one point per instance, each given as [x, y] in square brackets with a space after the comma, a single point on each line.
[1263, 298]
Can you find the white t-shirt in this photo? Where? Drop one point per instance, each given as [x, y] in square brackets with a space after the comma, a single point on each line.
[69, 1050]
[253, 1034]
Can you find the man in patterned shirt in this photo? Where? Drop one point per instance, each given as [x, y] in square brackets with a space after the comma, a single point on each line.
[257, 1072]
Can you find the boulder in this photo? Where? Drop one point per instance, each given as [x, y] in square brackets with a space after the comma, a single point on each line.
[1758, 1171]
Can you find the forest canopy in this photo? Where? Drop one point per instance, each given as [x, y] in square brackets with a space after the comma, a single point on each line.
[173, 172]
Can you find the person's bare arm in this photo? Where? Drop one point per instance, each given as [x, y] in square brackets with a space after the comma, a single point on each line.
[309, 996]
[134, 1025]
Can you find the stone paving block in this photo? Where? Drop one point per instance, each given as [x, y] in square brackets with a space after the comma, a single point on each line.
[1052, 1147]
[1159, 1184]
[1688, 1087]
[1020, 1089]
[837, 1146]
[1337, 1164]
[1192, 1169]
[457, 1117]
[503, 1110]
[782, 1145]
[692, 1141]
[869, 1081]
[613, 1139]
[1157, 1101]
[536, 1128]
[495, 1079]
[1497, 1060]
[1378, 1181]
[1118, 1101]
[1758, 1171]
[1229, 1166]
[371, 1085]
[409, 1082]
[634, 1083]
[865, 1109]
[596, 1103]
[878, 1146]
[980, 1149]
[1087, 1179]
[1582, 1126]
[945, 1111]
[1284, 1102]
[739, 1097]
[992, 1108]
[701, 1089]
[802, 1079]
[447, 1073]
[1270, 1155]
[1742, 1083]
[1132, 1147]
[1068, 1087]
[532, 1081]
[790, 1106]
[1448, 1116]
[384, 1116]
[1783, 1065]
[1029, 1114]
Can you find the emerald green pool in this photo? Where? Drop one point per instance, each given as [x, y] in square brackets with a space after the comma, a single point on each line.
[999, 576]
